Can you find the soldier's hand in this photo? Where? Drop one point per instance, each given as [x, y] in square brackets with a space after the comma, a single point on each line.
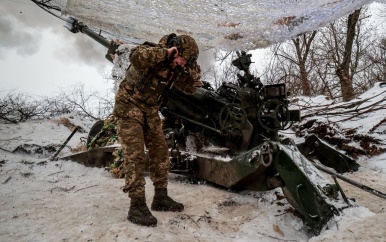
[179, 61]
[172, 53]
[118, 42]
[198, 83]
[113, 49]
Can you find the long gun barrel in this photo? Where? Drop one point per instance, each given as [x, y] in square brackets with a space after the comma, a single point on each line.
[75, 26]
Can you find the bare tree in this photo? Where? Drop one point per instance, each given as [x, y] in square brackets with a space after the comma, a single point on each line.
[292, 63]
[221, 69]
[303, 47]
[91, 104]
[346, 46]
[343, 68]
[19, 107]
[378, 58]
[330, 62]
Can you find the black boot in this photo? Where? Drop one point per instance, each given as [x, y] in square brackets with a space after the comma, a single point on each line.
[139, 213]
[162, 202]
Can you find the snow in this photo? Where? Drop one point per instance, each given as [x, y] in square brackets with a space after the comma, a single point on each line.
[44, 200]
[375, 97]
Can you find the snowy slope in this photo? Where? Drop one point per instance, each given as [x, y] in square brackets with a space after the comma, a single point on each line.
[43, 200]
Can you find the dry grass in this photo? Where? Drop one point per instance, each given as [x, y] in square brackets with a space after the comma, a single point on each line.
[66, 122]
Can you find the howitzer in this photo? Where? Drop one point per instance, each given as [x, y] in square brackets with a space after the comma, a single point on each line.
[243, 121]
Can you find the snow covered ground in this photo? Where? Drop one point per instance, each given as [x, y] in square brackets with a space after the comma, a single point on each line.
[43, 200]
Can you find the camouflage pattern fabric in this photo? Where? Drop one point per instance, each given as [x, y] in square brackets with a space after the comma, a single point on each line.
[189, 45]
[133, 137]
[136, 107]
[117, 166]
[149, 65]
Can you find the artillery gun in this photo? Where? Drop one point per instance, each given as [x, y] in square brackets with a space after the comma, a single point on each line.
[235, 132]
[230, 137]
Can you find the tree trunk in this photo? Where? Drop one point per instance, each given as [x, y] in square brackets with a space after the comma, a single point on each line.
[302, 52]
[304, 80]
[343, 70]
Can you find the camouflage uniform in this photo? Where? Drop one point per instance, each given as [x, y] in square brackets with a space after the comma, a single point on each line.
[136, 108]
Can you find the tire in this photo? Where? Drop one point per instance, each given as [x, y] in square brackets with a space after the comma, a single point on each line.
[95, 129]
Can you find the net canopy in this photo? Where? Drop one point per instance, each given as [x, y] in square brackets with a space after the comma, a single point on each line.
[224, 25]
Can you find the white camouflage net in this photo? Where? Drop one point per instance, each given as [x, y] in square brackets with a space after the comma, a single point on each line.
[224, 25]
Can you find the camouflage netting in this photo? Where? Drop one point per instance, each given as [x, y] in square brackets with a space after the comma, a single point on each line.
[108, 136]
[226, 25]
[222, 25]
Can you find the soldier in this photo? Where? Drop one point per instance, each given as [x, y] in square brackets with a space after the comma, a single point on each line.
[136, 107]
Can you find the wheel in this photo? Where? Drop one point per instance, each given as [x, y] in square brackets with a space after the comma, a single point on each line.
[273, 115]
[95, 129]
[232, 118]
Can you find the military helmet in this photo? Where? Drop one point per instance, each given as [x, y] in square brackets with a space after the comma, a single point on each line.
[186, 45]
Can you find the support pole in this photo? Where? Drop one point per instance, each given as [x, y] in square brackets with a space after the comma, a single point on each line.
[352, 182]
[64, 144]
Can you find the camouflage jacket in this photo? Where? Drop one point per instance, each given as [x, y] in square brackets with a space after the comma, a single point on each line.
[149, 66]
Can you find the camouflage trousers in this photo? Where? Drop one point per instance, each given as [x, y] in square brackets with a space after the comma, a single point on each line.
[134, 135]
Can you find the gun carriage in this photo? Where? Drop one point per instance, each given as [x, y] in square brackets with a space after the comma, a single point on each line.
[230, 137]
